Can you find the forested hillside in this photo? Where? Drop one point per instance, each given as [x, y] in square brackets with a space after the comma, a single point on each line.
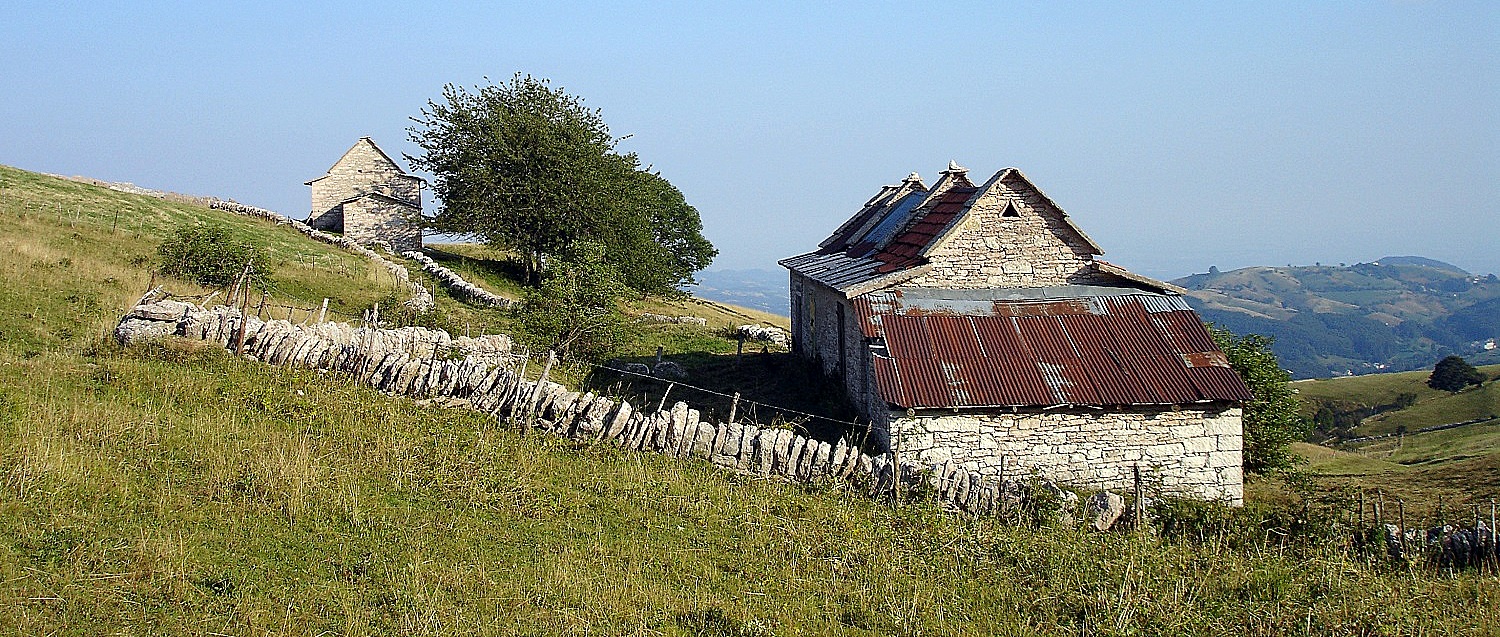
[1394, 314]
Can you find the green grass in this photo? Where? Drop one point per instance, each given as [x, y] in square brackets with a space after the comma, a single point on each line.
[175, 489]
[481, 265]
[1456, 467]
[1432, 407]
[99, 266]
[1470, 404]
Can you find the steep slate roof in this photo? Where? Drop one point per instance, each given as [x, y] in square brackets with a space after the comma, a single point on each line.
[893, 234]
[382, 196]
[364, 140]
[907, 249]
[1073, 345]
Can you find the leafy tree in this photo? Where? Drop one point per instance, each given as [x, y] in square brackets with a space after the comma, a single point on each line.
[210, 255]
[574, 311]
[668, 245]
[528, 168]
[1272, 421]
[1453, 373]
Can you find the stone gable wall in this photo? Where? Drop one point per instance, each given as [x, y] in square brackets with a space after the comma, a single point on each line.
[362, 170]
[1036, 249]
[365, 170]
[1191, 451]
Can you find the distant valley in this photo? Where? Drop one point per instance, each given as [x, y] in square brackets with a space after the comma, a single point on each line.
[1393, 314]
[764, 290]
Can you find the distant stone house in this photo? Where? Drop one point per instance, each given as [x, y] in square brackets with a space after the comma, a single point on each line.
[972, 324]
[369, 198]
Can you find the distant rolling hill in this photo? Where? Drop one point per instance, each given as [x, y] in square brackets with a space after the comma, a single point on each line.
[1394, 314]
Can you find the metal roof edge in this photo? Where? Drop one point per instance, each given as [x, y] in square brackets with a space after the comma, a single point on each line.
[892, 279]
[1110, 268]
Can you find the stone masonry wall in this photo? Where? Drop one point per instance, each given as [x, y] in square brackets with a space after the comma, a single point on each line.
[363, 170]
[817, 334]
[370, 219]
[1190, 451]
[1035, 249]
[419, 362]
[456, 284]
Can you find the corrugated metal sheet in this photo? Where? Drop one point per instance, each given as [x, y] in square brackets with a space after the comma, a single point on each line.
[1120, 349]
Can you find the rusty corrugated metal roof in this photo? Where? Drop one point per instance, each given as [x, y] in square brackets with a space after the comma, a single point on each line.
[1125, 348]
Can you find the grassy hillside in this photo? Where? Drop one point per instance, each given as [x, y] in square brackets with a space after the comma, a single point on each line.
[1431, 407]
[178, 490]
[93, 247]
[1456, 466]
[1450, 470]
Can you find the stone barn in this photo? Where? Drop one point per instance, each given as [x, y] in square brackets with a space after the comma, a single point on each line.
[369, 198]
[971, 323]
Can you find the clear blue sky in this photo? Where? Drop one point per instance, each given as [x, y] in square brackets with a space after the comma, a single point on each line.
[1178, 135]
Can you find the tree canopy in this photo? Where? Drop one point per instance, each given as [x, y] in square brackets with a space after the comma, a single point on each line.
[1453, 373]
[1272, 422]
[528, 168]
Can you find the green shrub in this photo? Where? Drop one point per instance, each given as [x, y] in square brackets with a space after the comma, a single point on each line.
[209, 255]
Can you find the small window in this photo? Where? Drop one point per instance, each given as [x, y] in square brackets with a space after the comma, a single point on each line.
[1010, 210]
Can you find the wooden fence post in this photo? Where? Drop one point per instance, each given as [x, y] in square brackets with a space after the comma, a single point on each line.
[1401, 529]
[1000, 506]
[239, 345]
[733, 406]
[663, 403]
[323, 313]
[1138, 509]
[537, 392]
[515, 403]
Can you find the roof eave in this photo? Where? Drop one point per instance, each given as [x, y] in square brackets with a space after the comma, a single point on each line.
[895, 278]
[1051, 407]
[1110, 268]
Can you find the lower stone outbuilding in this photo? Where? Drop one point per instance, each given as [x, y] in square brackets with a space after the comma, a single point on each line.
[972, 325]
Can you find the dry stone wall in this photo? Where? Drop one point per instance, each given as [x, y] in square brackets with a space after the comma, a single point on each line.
[648, 317]
[456, 284]
[483, 373]
[421, 298]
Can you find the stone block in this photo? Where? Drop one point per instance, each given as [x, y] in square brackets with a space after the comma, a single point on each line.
[1203, 444]
[703, 437]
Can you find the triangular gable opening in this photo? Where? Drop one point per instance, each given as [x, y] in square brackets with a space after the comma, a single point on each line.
[1010, 210]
